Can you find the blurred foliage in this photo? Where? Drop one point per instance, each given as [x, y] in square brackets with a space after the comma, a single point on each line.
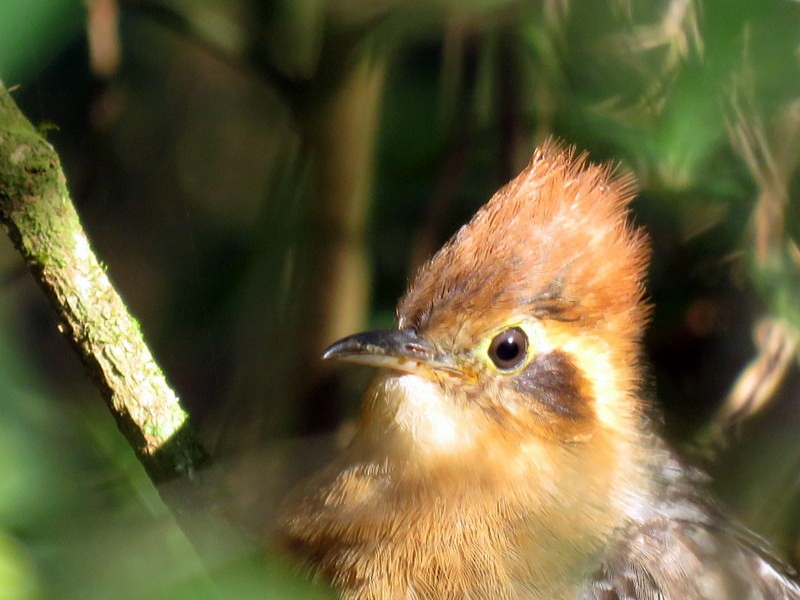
[32, 34]
[253, 172]
[80, 519]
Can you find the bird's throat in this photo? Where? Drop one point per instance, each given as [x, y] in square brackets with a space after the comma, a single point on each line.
[413, 416]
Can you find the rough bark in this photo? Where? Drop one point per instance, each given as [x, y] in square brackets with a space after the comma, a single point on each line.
[37, 213]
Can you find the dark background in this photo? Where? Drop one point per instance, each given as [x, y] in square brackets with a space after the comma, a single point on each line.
[261, 178]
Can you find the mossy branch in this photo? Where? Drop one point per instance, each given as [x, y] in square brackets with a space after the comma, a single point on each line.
[37, 213]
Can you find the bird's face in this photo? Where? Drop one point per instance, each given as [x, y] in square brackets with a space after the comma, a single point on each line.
[447, 394]
[520, 338]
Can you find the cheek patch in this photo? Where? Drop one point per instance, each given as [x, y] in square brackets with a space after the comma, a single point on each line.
[554, 382]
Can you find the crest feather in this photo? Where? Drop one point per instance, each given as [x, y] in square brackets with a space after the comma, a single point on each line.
[556, 242]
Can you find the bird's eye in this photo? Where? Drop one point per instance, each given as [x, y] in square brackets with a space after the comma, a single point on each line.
[509, 348]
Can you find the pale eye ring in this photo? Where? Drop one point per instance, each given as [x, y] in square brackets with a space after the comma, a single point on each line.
[509, 348]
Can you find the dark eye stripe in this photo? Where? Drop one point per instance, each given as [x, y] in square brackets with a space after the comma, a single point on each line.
[555, 382]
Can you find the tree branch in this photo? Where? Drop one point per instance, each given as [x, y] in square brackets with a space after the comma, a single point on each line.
[37, 213]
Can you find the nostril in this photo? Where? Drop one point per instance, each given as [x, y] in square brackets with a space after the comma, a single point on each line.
[415, 349]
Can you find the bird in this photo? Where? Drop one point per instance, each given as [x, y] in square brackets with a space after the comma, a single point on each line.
[508, 447]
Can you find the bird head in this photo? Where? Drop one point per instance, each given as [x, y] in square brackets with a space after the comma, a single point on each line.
[524, 329]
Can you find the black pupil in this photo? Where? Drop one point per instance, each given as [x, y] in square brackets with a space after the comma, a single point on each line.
[508, 348]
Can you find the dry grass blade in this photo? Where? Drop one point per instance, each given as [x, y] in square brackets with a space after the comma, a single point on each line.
[771, 154]
[677, 32]
[777, 343]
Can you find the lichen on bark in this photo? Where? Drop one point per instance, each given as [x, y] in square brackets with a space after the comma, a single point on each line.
[38, 214]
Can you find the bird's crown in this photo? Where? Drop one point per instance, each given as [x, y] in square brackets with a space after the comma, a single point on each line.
[555, 243]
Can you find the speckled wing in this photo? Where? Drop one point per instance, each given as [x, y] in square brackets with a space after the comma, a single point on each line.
[689, 550]
[677, 561]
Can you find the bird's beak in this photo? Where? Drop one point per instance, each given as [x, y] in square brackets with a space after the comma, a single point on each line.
[399, 349]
